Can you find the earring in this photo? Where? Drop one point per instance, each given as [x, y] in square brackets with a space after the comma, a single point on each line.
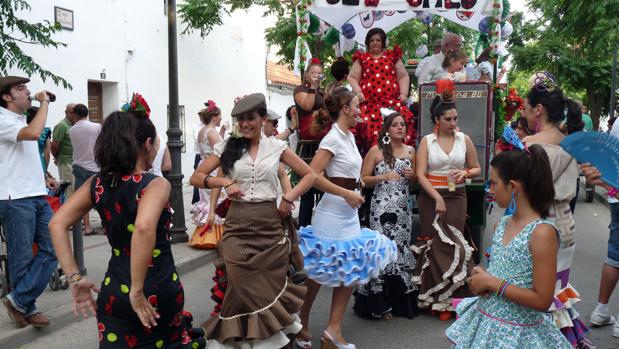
[386, 139]
[511, 209]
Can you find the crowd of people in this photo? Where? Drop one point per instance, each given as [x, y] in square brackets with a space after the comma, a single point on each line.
[357, 160]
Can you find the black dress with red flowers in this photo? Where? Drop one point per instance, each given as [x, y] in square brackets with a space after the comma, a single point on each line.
[116, 201]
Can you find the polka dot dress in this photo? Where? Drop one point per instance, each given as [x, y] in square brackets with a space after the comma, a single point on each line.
[381, 89]
[117, 324]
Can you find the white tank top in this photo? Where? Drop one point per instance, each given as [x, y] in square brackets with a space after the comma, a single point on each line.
[440, 163]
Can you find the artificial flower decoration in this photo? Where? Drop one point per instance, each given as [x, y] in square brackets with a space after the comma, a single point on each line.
[513, 102]
[137, 104]
[315, 60]
[210, 105]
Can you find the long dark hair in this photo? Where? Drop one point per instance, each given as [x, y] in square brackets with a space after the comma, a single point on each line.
[387, 149]
[372, 32]
[235, 147]
[532, 169]
[557, 107]
[441, 103]
[120, 142]
[340, 97]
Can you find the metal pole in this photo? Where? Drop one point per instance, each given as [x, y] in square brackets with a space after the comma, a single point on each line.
[613, 86]
[178, 231]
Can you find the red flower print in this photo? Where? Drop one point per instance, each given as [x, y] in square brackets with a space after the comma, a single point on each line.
[177, 320]
[127, 251]
[131, 340]
[100, 328]
[108, 214]
[137, 178]
[186, 338]
[150, 263]
[180, 297]
[98, 190]
[152, 299]
[125, 178]
[118, 207]
[147, 330]
[109, 305]
[175, 335]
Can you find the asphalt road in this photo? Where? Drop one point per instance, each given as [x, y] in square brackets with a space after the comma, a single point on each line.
[422, 332]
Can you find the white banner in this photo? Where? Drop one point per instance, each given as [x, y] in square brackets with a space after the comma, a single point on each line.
[354, 21]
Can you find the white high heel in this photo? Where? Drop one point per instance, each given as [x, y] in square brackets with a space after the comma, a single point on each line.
[327, 342]
[303, 344]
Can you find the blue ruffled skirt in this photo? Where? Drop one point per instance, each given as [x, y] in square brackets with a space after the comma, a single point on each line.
[337, 252]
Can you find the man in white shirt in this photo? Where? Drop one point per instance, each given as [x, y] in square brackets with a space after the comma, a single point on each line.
[427, 69]
[24, 212]
[83, 136]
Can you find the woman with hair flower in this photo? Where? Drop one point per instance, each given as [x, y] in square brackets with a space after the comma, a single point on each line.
[141, 298]
[446, 158]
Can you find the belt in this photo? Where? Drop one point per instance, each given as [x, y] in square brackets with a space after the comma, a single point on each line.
[439, 181]
[346, 183]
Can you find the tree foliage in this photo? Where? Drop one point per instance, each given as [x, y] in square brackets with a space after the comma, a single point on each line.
[574, 40]
[15, 31]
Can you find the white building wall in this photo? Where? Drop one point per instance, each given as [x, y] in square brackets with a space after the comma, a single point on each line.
[128, 41]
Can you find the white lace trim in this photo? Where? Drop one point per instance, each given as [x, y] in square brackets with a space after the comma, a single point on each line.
[459, 279]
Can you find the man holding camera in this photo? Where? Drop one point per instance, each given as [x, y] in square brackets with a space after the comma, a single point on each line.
[24, 212]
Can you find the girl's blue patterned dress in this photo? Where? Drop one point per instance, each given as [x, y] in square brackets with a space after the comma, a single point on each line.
[495, 322]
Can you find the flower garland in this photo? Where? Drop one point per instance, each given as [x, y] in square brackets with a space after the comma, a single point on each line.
[302, 54]
[513, 102]
[500, 95]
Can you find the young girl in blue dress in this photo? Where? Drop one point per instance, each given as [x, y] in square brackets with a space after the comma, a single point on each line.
[517, 289]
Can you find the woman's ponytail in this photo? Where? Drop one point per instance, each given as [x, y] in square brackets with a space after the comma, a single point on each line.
[573, 118]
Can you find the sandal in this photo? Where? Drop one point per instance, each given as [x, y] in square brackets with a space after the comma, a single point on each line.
[90, 232]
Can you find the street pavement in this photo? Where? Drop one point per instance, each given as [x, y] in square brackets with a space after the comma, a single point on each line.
[424, 331]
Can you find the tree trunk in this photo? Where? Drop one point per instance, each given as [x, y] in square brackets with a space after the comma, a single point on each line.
[596, 103]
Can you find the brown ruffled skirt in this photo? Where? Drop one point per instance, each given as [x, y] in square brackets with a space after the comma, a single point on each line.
[444, 261]
[260, 300]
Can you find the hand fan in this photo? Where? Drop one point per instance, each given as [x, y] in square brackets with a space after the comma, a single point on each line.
[510, 136]
[599, 149]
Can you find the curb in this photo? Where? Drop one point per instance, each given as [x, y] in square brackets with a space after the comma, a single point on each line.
[62, 315]
[601, 197]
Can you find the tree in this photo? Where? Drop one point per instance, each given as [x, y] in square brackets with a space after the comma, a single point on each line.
[15, 31]
[574, 40]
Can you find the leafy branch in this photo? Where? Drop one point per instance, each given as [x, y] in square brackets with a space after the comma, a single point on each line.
[11, 55]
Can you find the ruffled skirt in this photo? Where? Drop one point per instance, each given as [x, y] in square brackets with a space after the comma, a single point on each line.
[564, 314]
[444, 261]
[479, 329]
[261, 303]
[337, 252]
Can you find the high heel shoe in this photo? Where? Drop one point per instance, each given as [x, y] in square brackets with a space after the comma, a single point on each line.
[303, 344]
[327, 342]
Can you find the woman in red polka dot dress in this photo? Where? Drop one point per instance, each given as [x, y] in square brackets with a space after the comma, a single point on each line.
[379, 79]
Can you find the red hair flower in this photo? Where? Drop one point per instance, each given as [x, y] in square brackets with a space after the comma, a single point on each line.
[137, 104]
[210, 105]
[315, 60]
